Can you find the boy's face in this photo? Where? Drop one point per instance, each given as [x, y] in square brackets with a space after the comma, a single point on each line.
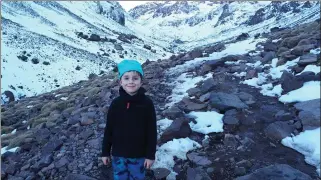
[131, 82]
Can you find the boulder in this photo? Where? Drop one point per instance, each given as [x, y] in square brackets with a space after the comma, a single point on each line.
[173, 113]
[223, 101]
[199, 160]
[197, 174]
[188, 105]
[279, 130]
[308, 59]
[276, 171]
[309, 113]
[178, 129]
[289, 82]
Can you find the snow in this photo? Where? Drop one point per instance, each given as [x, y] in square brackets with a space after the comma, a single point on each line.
[5, 149]
[276, 40]
[275, 72]
[269, 90]
[241, 74]
[162, 125]
[308, 144]
[183, 83]
[309, 91]
[256, 64]
[207, 122]
[55, 40]
[315, 51]
[127, 5]
[311, 68]
[178, 148]
[211, 30]
[235, 63]
[256, 81]
[240, 47]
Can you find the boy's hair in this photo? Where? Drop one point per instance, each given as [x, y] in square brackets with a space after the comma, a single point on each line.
[129, 65]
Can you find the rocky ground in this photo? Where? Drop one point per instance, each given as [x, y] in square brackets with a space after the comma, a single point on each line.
[59, 133]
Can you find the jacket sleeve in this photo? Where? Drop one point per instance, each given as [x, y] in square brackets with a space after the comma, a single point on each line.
[107, 140]
[151, 133]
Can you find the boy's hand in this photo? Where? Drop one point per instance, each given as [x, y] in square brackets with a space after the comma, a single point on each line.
[148, 163]
[106, 160]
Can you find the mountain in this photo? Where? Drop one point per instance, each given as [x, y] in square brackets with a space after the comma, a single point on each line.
[47, 45]
[194, 23]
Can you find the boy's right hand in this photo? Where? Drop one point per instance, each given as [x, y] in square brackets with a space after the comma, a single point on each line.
[106, 160]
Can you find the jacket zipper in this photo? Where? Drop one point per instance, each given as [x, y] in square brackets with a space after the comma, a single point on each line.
[128, 104]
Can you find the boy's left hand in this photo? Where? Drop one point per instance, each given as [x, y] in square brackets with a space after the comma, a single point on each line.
[148, 163]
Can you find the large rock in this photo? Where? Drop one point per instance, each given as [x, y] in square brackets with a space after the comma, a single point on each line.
[283, 116]
[268, 57]
[173, 113]
[291, 42]
[289, 82]
[267, 113]
[270, 47]
[199, 160]
[277, 172]
[223, 101]
[94, 37]
[208, 85]
[188, 105]
[215, 48]
[309, 113]
[78, 177]
[246, 98]
[51, 146]
[230, 117]
[44, 162]
[196, 53]
[178, 129]
[279, 130]
[161, 173]
[211, 65]
[302, 49]
[308, 59]
[242, 37]
[194, 92]
[197, 174]
[308, 76]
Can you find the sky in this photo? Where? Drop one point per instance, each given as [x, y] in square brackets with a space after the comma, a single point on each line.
[127, 5]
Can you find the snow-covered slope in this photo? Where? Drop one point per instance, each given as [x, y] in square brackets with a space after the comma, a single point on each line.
[194, 23]
[46, 45]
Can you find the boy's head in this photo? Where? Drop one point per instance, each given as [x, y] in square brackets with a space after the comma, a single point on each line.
[130, 75]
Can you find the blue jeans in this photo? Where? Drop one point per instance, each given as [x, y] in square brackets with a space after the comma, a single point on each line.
[128, 168]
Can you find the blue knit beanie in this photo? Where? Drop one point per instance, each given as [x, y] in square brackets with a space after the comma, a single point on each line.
[129, 65]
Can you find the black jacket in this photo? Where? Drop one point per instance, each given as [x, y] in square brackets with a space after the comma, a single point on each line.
[131, 128]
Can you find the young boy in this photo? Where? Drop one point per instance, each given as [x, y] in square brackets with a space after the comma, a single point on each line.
[131, 129]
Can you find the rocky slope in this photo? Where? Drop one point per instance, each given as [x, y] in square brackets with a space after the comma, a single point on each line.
[59, 133]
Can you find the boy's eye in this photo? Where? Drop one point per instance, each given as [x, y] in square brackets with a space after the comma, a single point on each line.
[126, 78]
[135, 78]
